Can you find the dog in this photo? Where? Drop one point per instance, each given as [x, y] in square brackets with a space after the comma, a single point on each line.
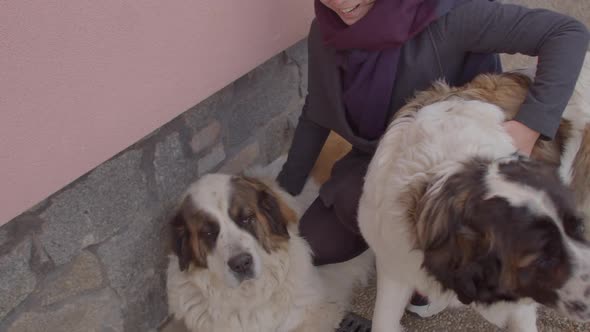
[238, 263]
[451, 210]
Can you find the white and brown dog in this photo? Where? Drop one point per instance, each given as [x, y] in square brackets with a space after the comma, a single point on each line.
[239, 265]
[451, 210]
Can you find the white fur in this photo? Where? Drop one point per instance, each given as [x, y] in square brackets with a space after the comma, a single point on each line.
[578, 112]
[413, 150]
[287, 294]
[432, 146]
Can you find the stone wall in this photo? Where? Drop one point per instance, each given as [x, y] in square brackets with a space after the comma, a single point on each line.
[92, 256]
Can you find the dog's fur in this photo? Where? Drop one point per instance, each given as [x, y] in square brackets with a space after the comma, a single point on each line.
[451, 210]
[239, 265]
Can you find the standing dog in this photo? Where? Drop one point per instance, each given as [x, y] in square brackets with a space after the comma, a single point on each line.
[451, 210]
[239, 264]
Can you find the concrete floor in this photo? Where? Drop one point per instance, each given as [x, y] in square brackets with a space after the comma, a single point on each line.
[459, 320]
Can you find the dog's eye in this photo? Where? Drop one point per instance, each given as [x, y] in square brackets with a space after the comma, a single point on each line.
[210, 234]
[209, 231]
[248, 220]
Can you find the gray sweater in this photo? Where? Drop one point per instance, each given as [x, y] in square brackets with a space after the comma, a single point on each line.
[479, 26]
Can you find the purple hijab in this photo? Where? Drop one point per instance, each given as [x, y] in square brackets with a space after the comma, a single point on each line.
[370, 53]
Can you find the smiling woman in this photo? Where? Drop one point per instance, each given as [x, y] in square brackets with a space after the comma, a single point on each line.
[350, 11]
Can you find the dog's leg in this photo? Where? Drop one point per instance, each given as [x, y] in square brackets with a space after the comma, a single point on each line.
[392, 297]
[515, 317]
[523, 318]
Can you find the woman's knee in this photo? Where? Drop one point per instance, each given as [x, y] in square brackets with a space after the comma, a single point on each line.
[330, 240]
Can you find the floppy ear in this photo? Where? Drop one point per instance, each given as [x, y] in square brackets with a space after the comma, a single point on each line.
[466, 260]
[457, 266]
[270, 206]
[479, 280]
[181, 241]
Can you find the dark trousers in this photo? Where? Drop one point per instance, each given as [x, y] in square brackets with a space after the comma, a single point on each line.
[330, 224]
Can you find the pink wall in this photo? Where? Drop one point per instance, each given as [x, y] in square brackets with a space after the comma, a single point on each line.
[80, 80]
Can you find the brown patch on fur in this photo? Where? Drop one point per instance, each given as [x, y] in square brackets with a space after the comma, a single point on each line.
[194, 233]
[485, 249]
[581, 173]
[507, 91]
[335, 148]
[257, 209]
[551, 151]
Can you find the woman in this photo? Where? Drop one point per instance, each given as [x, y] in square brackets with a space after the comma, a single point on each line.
[367, 57]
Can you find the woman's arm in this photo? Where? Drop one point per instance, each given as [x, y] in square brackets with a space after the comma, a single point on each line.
[559, 41]
[308, 140]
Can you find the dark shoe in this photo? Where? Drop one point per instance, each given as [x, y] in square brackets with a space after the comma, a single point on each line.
[421, 306]
[354, 323]
[418, 300]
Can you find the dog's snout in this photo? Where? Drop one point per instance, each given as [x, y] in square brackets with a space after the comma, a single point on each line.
[241, 263]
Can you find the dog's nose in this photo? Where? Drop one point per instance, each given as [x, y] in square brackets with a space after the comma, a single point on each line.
[241, 263]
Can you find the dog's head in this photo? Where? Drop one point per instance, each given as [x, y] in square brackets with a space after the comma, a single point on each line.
[228, 225]
[505, 231]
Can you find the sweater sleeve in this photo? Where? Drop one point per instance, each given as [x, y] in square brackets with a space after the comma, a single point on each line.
[559, 41]
[308, 140]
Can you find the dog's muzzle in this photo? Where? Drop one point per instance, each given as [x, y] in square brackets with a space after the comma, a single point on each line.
[242, 266]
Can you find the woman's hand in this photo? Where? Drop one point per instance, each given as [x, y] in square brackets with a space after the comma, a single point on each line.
[524, 137]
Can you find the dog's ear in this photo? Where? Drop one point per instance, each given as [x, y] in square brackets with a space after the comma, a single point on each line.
[181, 241]
[276, 212]
[479, 280]
[461, 264]
[463, 257]
[278, 217]
[447, 258]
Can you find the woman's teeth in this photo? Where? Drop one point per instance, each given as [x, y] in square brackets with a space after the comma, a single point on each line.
[348, 10]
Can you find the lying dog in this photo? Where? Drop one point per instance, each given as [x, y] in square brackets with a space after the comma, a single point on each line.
[451, 210]
[239, 265]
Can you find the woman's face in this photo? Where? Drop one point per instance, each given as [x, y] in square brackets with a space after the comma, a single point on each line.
[350, 11]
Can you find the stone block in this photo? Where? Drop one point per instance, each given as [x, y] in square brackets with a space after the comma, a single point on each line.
[96, 207]
[17, 280]
[40, 262]
[174, 326]
[276, 137]
[135, 262]
[211, 160]
[174, 171]
[3, 237]
[206, 137]
[293, 117]
[260, 95]
[83, 274]
[215, 106]
[246, 157]
[96, 312]
[298, 55]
